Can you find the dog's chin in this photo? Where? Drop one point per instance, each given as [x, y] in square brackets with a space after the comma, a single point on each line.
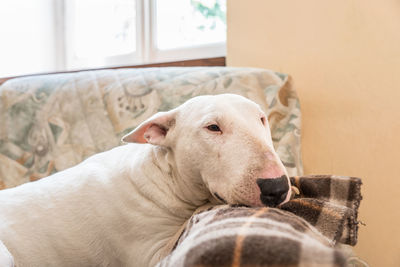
[219, 198]
[248, 202]
[256, 202]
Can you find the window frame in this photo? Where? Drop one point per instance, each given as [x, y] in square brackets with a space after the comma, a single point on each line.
[158, 55]
[146, 41]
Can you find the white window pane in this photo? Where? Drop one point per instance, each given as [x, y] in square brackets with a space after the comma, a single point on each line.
[186, 23]
[27, 37]
[102, 28]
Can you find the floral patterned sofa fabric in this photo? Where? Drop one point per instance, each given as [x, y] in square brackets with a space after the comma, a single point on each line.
[51, 122]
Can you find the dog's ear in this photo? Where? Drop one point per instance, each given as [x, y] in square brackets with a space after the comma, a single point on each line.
[153, 130]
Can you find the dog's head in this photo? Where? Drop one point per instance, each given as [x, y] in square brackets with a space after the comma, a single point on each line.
[223, 141]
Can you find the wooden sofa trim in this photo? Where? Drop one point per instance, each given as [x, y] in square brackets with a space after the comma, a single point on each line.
[216, 61]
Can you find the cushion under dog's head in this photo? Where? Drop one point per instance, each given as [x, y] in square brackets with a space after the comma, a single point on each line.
[224, 142]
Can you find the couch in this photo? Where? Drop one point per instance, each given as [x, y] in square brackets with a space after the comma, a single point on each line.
[52, 122]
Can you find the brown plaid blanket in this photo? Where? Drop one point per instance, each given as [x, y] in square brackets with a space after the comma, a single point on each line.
[306, 231]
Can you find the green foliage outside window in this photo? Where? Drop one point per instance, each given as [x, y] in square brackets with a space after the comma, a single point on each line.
[212, 10]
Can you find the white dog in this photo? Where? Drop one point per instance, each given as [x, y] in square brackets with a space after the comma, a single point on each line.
[121, 207]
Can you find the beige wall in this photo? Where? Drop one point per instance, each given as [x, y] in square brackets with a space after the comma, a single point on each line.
[344, 56]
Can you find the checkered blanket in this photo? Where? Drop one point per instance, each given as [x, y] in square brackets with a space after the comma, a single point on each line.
[306, 231]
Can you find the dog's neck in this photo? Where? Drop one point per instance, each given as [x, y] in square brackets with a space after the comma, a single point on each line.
[179, 195]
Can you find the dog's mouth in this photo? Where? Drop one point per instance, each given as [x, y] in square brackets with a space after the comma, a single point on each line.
[226, 202]
[219, 198]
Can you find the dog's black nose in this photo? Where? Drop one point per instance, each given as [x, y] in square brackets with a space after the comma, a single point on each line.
[273, 190]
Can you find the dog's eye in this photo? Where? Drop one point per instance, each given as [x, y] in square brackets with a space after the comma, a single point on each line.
[214, 128]
[263, 120]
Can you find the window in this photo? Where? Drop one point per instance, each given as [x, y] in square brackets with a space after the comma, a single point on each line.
[100, 33]
[27, 42]
[199, 24]
[56, 35]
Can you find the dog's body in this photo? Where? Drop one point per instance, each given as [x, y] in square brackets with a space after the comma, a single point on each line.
[95, 214]
[121, 207]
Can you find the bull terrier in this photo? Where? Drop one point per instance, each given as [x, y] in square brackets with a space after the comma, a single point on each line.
[121, 207]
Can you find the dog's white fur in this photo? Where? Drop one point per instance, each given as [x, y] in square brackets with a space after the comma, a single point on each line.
[121, 207]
